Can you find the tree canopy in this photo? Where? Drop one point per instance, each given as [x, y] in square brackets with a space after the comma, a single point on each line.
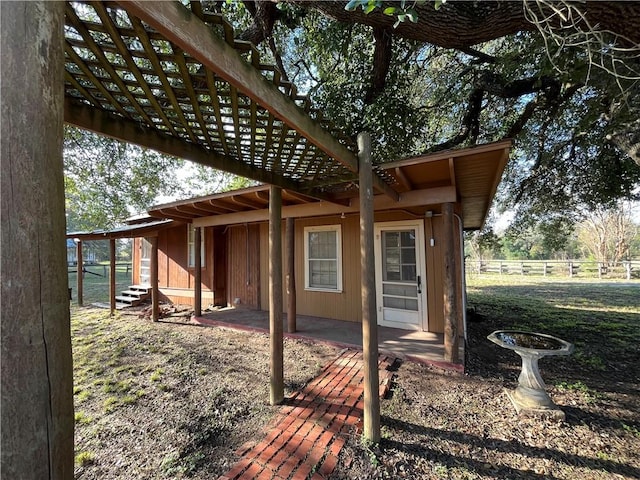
[560, 78]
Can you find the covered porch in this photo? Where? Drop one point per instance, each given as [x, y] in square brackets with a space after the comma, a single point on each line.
[412, 345]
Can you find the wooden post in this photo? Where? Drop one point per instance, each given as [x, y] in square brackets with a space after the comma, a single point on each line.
[36, 376]
[80, 270]
[197, 291]
[154, 279]
[368, 294]
[291, 275]
[112, 274]
[450, 287]
[275, 295]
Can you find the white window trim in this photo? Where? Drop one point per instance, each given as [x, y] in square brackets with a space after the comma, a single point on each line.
[324, 228]
[191, 235]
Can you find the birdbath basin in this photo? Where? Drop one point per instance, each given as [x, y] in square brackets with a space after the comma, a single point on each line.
[530, 396]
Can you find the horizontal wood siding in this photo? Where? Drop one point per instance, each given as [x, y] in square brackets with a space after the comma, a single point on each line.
[243, 265]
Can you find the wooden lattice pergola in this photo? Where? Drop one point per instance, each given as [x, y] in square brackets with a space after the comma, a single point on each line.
[174, 78]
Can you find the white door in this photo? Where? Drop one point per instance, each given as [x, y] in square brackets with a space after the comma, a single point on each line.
[145, 262]
[400, 274]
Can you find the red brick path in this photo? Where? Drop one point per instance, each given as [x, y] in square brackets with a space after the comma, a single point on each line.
[307, 438]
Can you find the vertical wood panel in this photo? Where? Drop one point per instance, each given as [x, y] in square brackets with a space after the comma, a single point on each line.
[450, 287]
[244, 265]
[276, 394]
[80, 272]
[371, 413]
[291, 275]
[197, 274]
[154, 279]
[112, 275]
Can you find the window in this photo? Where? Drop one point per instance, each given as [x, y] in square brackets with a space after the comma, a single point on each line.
[323, 258]
[191, 238]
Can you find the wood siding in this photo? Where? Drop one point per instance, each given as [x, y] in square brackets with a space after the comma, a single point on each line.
[237, 267]
[244, 256]
[173, 272]
[346, 304]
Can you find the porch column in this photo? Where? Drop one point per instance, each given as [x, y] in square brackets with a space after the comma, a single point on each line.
[154, 279]
[37, 378]
[112, 274]
[275, 295]
[197, 291]
[368, 289]
[80, 270]
[291, 275]
[450, 287]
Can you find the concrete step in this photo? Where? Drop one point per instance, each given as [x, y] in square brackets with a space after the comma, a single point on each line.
[140, 295]
[130, 301]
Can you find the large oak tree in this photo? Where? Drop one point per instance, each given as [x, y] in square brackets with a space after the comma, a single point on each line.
[560, 78]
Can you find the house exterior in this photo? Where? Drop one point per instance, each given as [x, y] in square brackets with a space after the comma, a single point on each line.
[412, 236]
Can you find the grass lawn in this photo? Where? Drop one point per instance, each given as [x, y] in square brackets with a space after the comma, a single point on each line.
[173, 400]
[95, 286]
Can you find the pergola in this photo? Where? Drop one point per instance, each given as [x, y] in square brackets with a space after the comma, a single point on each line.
[172, 77]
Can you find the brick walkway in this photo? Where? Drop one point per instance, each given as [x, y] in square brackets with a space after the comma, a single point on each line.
[308, 435]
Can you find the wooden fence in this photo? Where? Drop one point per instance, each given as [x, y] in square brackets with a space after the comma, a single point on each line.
[559, 268]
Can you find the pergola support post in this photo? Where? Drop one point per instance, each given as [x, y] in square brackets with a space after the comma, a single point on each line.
[276, 394]
[451, 341]
[112, 274]
[369, 317]
[197, 277]
[154, 279]
[37, 376]
[291, 275]
[80, 270]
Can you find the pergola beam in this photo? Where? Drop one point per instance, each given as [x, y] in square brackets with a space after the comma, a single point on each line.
[190, 33]
[104, 123]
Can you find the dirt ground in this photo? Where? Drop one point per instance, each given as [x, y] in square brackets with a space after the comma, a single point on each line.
[174, 400]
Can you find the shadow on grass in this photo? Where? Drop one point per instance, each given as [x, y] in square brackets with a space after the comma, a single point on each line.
[499, 446]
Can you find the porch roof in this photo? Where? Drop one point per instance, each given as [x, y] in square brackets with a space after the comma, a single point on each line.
[470, 175]
[147, 229]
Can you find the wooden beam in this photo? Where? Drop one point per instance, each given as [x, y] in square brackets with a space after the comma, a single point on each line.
[37, 374]
[450, 286]
[182, 27]
[291, 274]
[112, 275]
[452, 171]
[416, 198]
[445, 155]
[371, 430]
[80, 270]
[402, 178]
[155, 294]
[104, 123]
[276, 394]
[197, 280]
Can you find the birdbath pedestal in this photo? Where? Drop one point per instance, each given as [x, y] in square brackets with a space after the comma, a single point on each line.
[530, 397]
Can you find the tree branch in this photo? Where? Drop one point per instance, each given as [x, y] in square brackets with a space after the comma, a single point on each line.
[381, 63]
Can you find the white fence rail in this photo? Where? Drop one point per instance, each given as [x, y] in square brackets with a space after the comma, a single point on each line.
[565, 268]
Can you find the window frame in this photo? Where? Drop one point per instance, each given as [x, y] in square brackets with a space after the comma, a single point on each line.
[191, 253]
[307, 271]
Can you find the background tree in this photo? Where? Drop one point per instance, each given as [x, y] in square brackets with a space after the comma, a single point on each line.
[539, 72]
[107, 181]
[607, 234]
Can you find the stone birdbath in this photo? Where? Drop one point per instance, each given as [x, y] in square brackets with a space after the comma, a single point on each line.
[530, 397]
